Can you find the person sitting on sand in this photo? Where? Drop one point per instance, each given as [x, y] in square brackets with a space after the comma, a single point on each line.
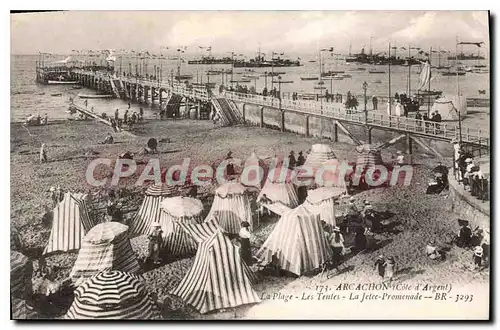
[337, 244]
[45, 120]
[380, 265]
[244, 237]
[432, 251]
[464, 235]
[390, 268]
[109, 139]
[477, 257]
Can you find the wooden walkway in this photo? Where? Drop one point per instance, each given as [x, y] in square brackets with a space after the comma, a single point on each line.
[334, 111]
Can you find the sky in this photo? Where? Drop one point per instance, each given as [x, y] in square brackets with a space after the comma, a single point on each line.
[244, 31]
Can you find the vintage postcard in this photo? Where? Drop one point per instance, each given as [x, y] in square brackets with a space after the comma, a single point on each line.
[250, 165]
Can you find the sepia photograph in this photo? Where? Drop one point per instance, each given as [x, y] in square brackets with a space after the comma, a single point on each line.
[250, 165]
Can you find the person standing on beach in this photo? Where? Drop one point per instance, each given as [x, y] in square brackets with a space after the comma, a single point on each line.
[390, 268]
[43, 154]
[244, 236]
[301, 159]
[125, 117]
[129, 104]
[116, 115]
[291, 160]
[380, 265]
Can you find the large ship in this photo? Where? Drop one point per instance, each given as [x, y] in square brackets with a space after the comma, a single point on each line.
[379, 59]
[211, 60]
[462, 57]
[260, 62]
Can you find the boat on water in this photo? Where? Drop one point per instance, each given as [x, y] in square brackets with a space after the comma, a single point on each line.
[217, 72]
[319, 87]
[466, 57]
[56, 94]
[211, 60]
[450, 73]
[377, 81]
[184, 77]
[480, 66]
[429, 93]
[346, 76]
[286, 82]
[250, 77]
[376, 71]
[309, 78]
[260, 62]
[358, 69]
[332, 73]
[62, 82]
[95, 96]
[312, 61]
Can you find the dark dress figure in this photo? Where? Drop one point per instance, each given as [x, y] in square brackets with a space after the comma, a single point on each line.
[230, 166]
[301, 160]
[375, 103]
[464, 236]
[360, 239]
[155, 241]
[380, 265]
[244, 236]
[291, 160]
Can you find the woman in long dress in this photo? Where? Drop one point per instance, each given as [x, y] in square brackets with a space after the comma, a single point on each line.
[246, 250]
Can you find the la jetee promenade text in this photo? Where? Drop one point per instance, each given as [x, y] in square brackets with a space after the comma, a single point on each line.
[328, 175]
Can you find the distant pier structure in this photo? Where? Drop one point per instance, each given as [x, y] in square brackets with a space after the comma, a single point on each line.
[180, 99]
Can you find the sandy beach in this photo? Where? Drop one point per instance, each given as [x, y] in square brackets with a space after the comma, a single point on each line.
[72, 145]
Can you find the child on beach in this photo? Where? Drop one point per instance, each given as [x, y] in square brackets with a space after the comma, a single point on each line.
[380, 265]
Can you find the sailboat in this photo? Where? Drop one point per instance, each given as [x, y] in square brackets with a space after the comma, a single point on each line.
[439, 66]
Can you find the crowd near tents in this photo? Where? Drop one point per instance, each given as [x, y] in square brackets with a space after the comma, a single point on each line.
[107, 272]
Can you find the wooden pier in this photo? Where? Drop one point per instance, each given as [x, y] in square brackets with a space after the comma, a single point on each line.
[231, 107]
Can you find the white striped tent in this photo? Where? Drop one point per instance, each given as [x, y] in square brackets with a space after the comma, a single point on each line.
[280, 188]
[321, 201]
[105, 247]
[202, 231]
[230, 207]
[333, 174]
[113, 295]
[21, 270]
[70, 224]
[179, 210]
[368, 156]
[250, 177]
[320, 153]
[150, 211]
[219, 278]
[298, 241]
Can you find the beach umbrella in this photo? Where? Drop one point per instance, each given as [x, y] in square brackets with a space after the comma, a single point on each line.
[180, 207]
[113, 295]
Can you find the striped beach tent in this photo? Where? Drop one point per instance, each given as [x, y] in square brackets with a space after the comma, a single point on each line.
[368, 156]
[105, 247]
[321, 201]
[280, 188]
[21, 270]
[150, 211]
[320, 153]
[219, 278]
[113, 295]
[255, 173]
[230, 207]
[298, 242]
[177, 210]
[70, 224]
[201, 231]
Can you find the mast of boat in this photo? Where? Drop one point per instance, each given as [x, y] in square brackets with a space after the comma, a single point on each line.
[429, 83]
[458, 95]
[349, 48]
[439, 57]
[409, 72]
[390, 103]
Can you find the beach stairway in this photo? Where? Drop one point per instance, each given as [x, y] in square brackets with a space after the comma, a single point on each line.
[228, 112]
[115, 90]
[125, 91]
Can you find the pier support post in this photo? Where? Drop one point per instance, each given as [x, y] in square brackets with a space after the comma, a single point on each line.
[146, 95]
[282, 120]
[153, 91]
[262, 117]
[335, 132]
[198, 110]
[370, 135]
[307, 126]
[409, 146]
